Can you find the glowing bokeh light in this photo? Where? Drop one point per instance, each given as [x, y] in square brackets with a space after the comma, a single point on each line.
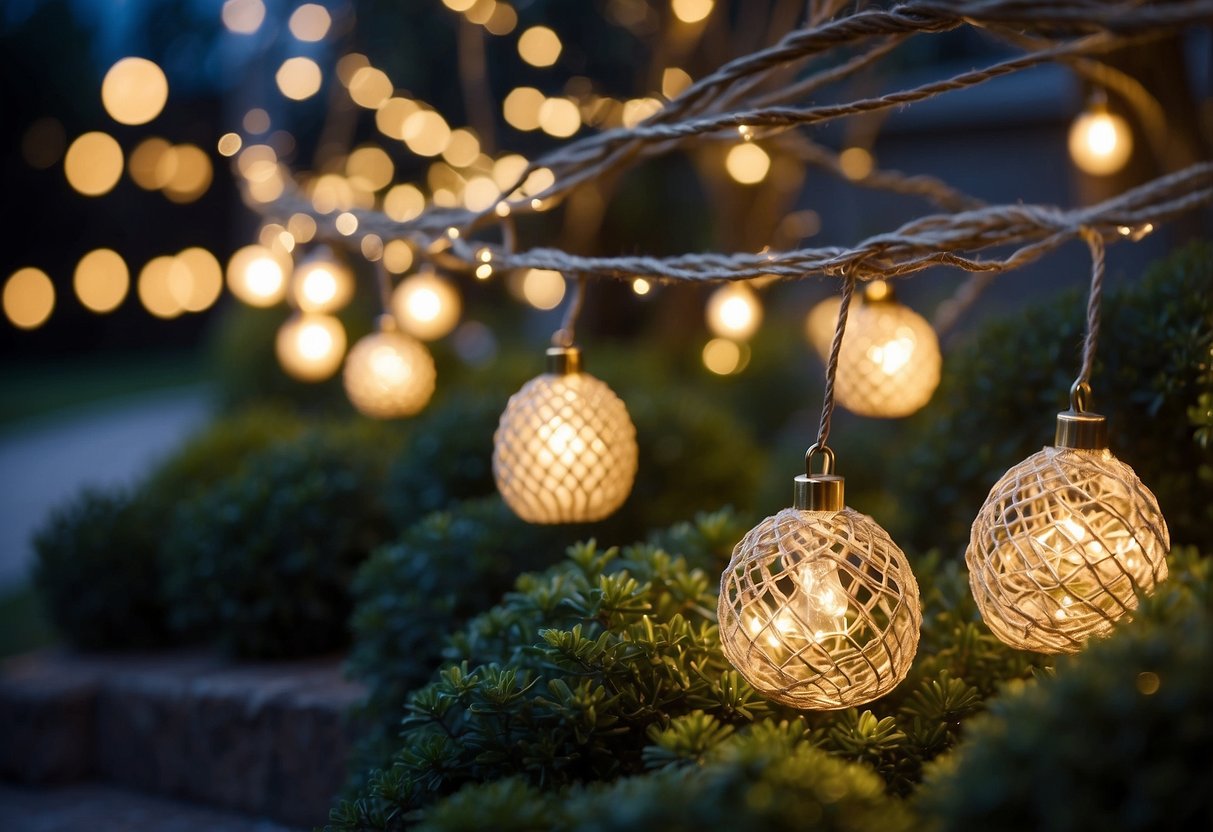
[426, 306]
[370, 87]
[747, 163]
[397, 256]
[155, 290]
[521, 108]
[257, 276]
[310, 347]
[196, 279]
[543, 288]
[310, 22]
[93, 164]
[539, 46]
[691, 11]
[101, 280]
[134, 91]
[243, 17]
[29, 298]
[298, 78]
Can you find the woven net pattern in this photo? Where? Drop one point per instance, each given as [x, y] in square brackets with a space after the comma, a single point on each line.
[1061, 547]
[889, 363]
[388, 375]
[565, 450]
[819, 610]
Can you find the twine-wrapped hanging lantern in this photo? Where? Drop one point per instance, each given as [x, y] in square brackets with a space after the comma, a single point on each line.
[389, 374]
[819, 609]
[1065, 540]
[889, 364]
[565, 449]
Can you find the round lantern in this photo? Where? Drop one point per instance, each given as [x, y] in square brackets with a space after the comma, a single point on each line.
[819, 609]
[389, 374]
[1065, 541]
[310, 346]
[565, 449]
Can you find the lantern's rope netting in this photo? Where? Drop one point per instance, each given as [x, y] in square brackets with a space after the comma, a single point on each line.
[819, 609]
[565, 450]
[763, 97]
[1061, 548]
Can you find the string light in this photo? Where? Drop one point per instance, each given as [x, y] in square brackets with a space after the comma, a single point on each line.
[734, 311]
[1066, 540]
[134, 91]
[565, 448]
[426, 306]
[321, 284]
[29, 298]
[1100, 141]
[257, 276]
[389, 374]
[890, 362]
[310, 346]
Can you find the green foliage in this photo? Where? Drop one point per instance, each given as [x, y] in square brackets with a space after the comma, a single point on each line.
[1117, 738]
[1000, 391]
[96, 572]
[262, 562]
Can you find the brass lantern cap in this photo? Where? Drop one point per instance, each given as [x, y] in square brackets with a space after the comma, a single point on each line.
[1081, 431]
[564, 361]
[818, 492]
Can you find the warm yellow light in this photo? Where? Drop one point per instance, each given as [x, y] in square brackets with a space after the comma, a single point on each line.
[370, 88]
[391, 116]
[503, 20]
[243, 16]
[155, 290]
[426, 133]
[734, 312]
[371, 247]
[330, 193]
[463, 148]
[299, 78]
[426, 306]
[673, 81]
[397, 256]
[148, 167]
[691, 11]
[403, 202]
[310, 22]
[388, 375]
[539, 46]
[310, 347]
[856, 163]
[93, 164]
[747, 163]
[564, 450]
[256, 276]
[459, 5]
[559, 117]
[637, 110]
[349, 64]
[322, 285]
[819, 610]
[346, 223]
[256, 121]
[302, 227]
[1063, 546]
[134, 91]
[370, 168]
[229, 144]
[543, 288]
[101, 280]
[521, 108]
[191, 173]
[725, 357]
[481, 193]
[196, 279]
[641, 286]
[29, 298]
[1100, 142]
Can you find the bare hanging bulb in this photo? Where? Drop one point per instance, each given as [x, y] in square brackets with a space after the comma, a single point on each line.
[389, 374]
[565, 449]
[734, 311]
[321, 283]
[1100, 141]
[1065, 540]
[310, 346]
[890, 363]
[818, 607]
[426, 306]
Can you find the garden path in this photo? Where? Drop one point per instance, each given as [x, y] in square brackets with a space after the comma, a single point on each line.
[104, 444]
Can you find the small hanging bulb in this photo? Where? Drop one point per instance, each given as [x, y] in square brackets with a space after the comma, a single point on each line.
[257, 275]
[321, 284]
[734, 312]
[819, 609]
[389, 374]
[890, 362]
[565, 449]
[1100, 141]
[426, 306]
[1065, 540]
[310, 346]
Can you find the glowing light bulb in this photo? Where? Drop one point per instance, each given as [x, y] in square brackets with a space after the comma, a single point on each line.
[1100, 142]
[426, 306]
[565, 448]
[310, 346]
[818, 607]
[1062, 545]
[734, 311]
[257, 276]
[322, 285]
[889, 364]
[389, 375]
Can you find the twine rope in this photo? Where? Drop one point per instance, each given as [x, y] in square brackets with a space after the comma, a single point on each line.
[827, 402]
[566, 335]
[1096, 244]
